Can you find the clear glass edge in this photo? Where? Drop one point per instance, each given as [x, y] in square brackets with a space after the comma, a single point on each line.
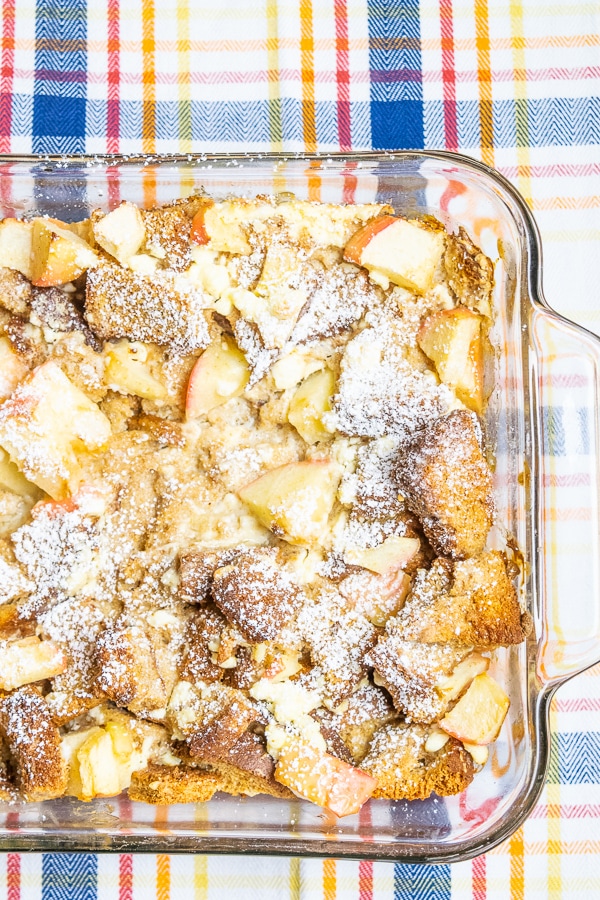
[101, 841]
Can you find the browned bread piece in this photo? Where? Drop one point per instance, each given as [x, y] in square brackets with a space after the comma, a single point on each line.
[448, 485]
[256, 594]
[376, 481]
[237, 781]
[203, 631]
[57, 310]
[405, 770]
[196, 570]
[258, 356]
[128, 669]
[34, 744]
[168, 235]
[66, 705]
[470, 272]
[411, 671]
[338, 639]
[338, 297]
[368, 709]
[27, 341]
[174, 784]
[355, 723]
[75, 625]
[120, 303]
[11, 623]
[15, 292]
[246, 670]
[8, 791]
[470, 603]
[225, 714]
[168, 230]
[247, 768]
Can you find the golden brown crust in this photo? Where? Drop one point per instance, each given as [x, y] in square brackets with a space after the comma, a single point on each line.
[448, 485]
[470, 272]
[226, 715]
[203, 630]
[15, 292]
[174, 784]
[256, 594]
[411, 671]
[478, 608]
[196, 570]
[168, 235]
[405, 770]
[129, 673]
[238, 781]
[120, 303]
[34, 744]
[247, 768]
[364, 713]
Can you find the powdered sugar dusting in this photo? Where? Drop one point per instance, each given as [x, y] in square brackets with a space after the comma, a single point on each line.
[380, 391]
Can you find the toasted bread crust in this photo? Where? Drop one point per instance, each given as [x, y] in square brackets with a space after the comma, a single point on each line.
[34, 744]
[129, 674]
[470, 272]
[256, 595]
[174, 784]
[479, 608]
[405, 770]
[448, 485]
[120, 303]
[410, 672]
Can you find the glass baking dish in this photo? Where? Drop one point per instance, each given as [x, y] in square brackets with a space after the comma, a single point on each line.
[542, 422]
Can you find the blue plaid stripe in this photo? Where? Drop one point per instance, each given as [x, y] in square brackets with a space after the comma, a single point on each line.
[575, 758]
[418, 882]
[59, 107]
[396, 75]
[69, 876]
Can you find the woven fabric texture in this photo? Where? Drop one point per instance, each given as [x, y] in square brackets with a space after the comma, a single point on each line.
[516, 85]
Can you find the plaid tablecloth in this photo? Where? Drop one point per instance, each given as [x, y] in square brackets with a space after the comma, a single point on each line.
[515, 84]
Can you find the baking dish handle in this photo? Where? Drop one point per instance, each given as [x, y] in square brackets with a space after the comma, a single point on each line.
[566, 379]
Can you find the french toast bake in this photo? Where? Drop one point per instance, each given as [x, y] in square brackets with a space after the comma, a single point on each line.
[245, 505]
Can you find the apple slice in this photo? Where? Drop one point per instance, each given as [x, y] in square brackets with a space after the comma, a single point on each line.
[58, 255]
[198, 233]
[404, 252]
[218, 375]
[15, 245]
[478, 716]
[323, 779]
[11, 479]
[359, 240]
[452, 339]
[29, 660]
[310, 401]
[294, 500]
[12, 368]
[394, 553]
[462, 675]
[122, 232]
[377, 597]
[46, 424]
[127, 371]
